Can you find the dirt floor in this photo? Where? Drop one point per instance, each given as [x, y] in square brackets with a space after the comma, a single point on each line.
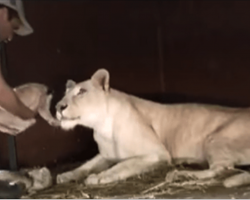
[147, 186]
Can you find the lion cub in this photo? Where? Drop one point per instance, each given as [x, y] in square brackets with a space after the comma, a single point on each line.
[37, 98]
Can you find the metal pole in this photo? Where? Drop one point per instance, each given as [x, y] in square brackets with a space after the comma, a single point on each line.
[11, 139]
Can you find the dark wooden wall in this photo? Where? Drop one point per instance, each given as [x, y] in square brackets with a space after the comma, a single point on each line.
[206, 46]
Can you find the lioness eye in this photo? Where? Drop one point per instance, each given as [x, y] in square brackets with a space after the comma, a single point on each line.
[81, 91]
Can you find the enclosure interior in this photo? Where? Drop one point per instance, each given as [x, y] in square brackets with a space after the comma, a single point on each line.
[166, 51]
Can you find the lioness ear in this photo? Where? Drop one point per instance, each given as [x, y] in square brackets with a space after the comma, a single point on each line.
[101, 79]
[70, 83]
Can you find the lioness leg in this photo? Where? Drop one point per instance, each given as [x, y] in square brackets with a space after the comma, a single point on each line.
[44, 111]
[186, 174]
[95, 165]
[222, 153]
[237, 180]
[126, 169]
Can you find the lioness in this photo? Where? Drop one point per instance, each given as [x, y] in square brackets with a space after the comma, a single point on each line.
[36, 97]
[133, 134]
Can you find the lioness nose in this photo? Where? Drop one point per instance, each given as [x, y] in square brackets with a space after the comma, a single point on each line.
[61, 107]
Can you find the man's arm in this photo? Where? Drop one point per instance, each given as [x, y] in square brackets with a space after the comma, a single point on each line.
[10, 101]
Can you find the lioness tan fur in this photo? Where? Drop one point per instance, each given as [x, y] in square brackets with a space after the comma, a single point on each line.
[134, 135]
[36, 97]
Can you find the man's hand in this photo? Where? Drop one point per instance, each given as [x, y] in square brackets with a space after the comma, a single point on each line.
[10, 102]
[17, 126]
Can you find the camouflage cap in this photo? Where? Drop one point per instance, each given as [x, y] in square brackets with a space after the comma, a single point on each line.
[17, 5]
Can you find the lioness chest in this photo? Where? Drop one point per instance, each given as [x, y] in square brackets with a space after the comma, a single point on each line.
[111, 148]
[107, 147]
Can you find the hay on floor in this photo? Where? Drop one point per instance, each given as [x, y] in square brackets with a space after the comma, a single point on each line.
[147, 186]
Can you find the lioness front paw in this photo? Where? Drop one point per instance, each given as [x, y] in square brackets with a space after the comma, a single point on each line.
[92, 179]
[95, 179]
[179, 176]
[65, 177]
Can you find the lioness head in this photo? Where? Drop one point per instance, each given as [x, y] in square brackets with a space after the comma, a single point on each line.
[85, 102]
